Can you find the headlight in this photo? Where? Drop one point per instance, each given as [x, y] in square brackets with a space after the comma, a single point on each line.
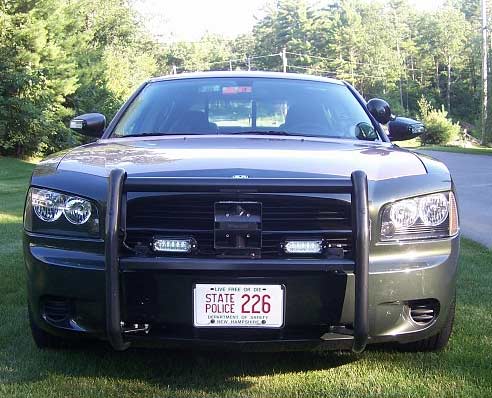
[430, 216]
[47, 205]
[433, 209]
[404, 213]
[57, 213]
[77, 210]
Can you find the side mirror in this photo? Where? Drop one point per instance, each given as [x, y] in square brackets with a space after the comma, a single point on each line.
[403, 128]
[380, 109]
[91, 124]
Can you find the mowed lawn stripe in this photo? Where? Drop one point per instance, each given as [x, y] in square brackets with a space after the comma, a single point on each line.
[464, 369]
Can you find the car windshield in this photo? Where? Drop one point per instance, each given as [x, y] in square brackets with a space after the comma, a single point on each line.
[246, 106]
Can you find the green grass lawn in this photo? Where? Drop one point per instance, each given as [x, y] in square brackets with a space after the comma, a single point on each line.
[415, 144]
[464, 369]
[457, 149]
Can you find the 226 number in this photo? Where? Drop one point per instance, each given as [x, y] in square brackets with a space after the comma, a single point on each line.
[253, 303]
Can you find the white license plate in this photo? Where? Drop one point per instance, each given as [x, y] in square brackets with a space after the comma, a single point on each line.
[238, 306]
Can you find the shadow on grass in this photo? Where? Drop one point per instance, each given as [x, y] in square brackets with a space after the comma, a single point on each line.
[467, 363]
[223, 373]
[213, 372]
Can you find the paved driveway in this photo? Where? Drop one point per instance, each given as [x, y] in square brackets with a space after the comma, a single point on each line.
[472, 175]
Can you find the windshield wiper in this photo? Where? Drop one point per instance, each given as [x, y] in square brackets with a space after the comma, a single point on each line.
[148, 134]
[266, 132]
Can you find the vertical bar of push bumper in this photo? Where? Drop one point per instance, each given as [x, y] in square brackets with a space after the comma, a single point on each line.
[361, 270]
[111, 235]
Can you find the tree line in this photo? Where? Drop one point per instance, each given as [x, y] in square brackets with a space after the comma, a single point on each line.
[59, 58]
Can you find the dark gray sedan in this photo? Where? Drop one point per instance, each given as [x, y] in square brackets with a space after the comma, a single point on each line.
[259, 211]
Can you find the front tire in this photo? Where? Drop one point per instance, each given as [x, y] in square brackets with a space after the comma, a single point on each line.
[439, 340]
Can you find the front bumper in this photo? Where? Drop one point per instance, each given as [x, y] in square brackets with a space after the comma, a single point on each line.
[332, 304]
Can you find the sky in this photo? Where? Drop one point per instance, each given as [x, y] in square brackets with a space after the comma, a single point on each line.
[188, 20]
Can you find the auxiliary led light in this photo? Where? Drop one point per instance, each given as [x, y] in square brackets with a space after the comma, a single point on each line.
[303, 246]
[174, 245]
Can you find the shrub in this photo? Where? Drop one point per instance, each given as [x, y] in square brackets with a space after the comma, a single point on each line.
[439, 129]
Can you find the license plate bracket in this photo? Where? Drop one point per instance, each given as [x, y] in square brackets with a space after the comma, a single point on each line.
[237, 228]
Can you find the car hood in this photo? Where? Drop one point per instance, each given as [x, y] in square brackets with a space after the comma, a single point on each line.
[252, 156]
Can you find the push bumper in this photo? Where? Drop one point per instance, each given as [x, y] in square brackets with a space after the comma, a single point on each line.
[117, 180]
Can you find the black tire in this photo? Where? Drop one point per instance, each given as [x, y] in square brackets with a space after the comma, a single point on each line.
[43, 339]
[439, 340]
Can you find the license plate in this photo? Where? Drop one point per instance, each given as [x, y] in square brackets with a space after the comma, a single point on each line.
[238, 306]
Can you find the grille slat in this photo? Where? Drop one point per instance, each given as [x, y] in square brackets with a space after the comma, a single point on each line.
[423, 312]
[56, 310]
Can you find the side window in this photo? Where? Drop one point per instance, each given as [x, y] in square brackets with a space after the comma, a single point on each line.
[270, 114]
[234, 112]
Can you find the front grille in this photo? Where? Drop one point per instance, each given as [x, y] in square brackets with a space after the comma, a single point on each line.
[283, 216]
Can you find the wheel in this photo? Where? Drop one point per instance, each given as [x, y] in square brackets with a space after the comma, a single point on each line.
[43, 339]
[439, 340]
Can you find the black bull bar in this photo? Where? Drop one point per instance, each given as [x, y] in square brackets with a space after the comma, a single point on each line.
[119, 183]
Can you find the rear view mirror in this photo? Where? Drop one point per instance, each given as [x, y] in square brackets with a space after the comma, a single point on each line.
[91, 124]
[403, 128]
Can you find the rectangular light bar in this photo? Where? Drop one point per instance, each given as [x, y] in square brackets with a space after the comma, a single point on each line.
[303, 246]
[172, 245]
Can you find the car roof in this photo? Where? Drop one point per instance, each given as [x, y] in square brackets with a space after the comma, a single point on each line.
[256, 74]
